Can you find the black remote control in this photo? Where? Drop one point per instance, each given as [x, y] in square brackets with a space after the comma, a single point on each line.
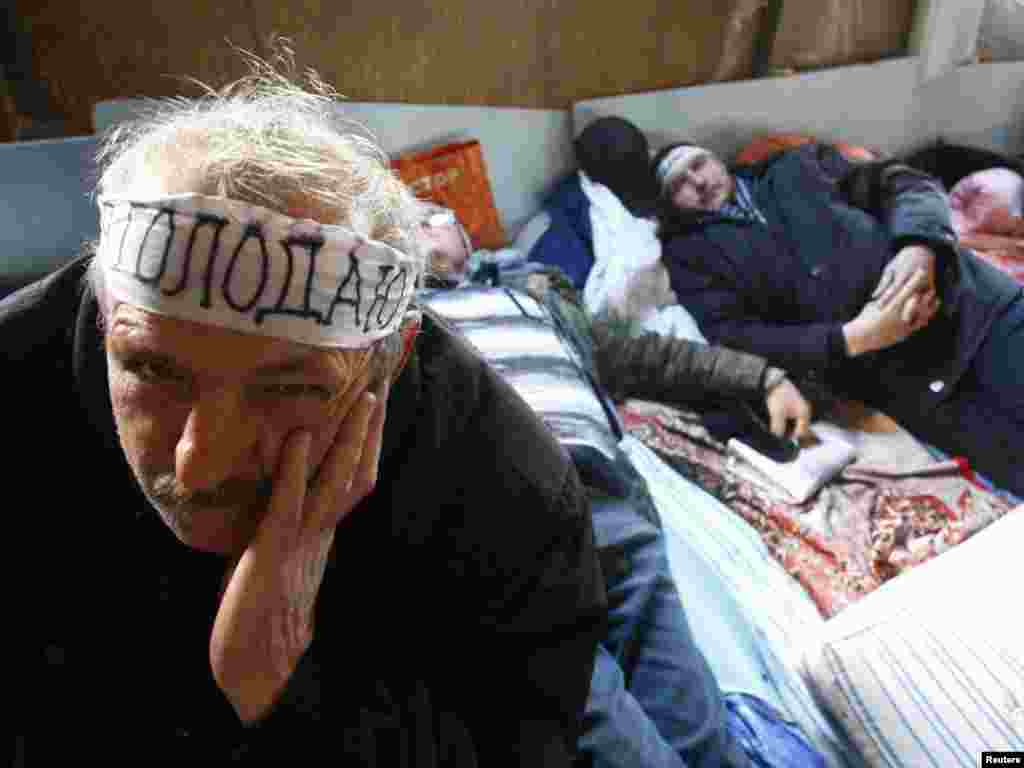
[759, 436]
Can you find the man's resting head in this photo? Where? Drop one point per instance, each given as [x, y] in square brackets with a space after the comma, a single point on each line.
[254, 271]
[446, 244]
[692, 178]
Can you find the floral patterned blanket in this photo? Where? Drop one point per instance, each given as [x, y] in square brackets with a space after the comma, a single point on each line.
[893, 508]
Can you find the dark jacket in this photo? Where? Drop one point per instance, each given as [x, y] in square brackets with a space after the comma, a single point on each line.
[783, 290]
[650, 366]
[456, 625]
[568, 242]
[613, 152]
[641, 365]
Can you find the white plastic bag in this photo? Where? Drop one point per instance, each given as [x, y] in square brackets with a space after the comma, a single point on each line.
[628, 278]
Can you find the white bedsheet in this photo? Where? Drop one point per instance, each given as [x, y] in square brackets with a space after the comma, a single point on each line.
[751, 619]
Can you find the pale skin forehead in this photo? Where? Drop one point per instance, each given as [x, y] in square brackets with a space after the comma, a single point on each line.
[218, 353]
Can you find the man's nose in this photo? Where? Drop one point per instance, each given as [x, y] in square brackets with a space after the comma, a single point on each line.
[215, 440]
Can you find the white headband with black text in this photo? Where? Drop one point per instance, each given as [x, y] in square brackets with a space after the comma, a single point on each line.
[670, 165]
[250, 269]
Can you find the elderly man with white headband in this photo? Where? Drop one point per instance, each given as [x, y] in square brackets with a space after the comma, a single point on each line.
[274, 512]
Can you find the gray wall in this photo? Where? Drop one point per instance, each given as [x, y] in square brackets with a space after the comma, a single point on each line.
[980, 105]
[45, 208]
[526, 150]
[867, 104]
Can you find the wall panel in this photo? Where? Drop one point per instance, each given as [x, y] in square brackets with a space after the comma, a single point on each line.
[828, 33]
[521, 53]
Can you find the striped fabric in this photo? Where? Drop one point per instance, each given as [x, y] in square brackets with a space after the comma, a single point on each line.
[777, 612]
[744, 207]
[929, 669]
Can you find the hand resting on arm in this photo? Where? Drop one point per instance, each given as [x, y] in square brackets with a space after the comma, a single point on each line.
[879, 325]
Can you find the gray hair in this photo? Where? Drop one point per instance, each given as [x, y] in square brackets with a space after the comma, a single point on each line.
[270, 139]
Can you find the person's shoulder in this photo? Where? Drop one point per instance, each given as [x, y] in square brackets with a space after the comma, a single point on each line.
[804, 167]
[679, 230]
[41, 312]
[567, 194]
[786, 158]
[489, 425]
[441, 351]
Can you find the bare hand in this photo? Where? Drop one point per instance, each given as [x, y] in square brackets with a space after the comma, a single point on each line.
[878, 327]
[265, 620]
[901, 269]
[786, 405]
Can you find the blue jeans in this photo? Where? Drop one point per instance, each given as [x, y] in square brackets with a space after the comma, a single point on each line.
[654, 700]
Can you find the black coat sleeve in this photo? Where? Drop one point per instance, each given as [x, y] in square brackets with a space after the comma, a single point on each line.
[913, 206]
[518, 665]
[653, 366]
[535, 644]
[671, 370]
[721, 296]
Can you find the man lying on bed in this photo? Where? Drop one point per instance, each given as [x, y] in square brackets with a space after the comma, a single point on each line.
[838, 270]
[654, 701]
[241, 548]
[627, 361]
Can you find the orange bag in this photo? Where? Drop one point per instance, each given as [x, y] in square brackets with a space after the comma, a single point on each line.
[765, 146]
[454, 175]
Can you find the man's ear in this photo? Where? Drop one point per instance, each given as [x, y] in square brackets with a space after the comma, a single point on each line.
[410, 330]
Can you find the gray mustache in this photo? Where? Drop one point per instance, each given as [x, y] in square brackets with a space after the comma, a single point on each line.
[231, 493]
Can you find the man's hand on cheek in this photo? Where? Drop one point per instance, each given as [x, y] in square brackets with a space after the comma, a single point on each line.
[265, 621]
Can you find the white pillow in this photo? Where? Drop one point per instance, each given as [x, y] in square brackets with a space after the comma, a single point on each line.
[928, 670]
[532, 231]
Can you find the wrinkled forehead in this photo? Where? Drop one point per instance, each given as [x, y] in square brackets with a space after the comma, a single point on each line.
[136, 326]
[219, 353]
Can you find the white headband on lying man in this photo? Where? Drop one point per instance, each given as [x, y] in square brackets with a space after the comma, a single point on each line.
[446, 218]
[250, 269]
[672, 162]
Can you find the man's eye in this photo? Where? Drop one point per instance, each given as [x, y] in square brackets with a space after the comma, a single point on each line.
[699, 163]
[152, 371]
[298, 389]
